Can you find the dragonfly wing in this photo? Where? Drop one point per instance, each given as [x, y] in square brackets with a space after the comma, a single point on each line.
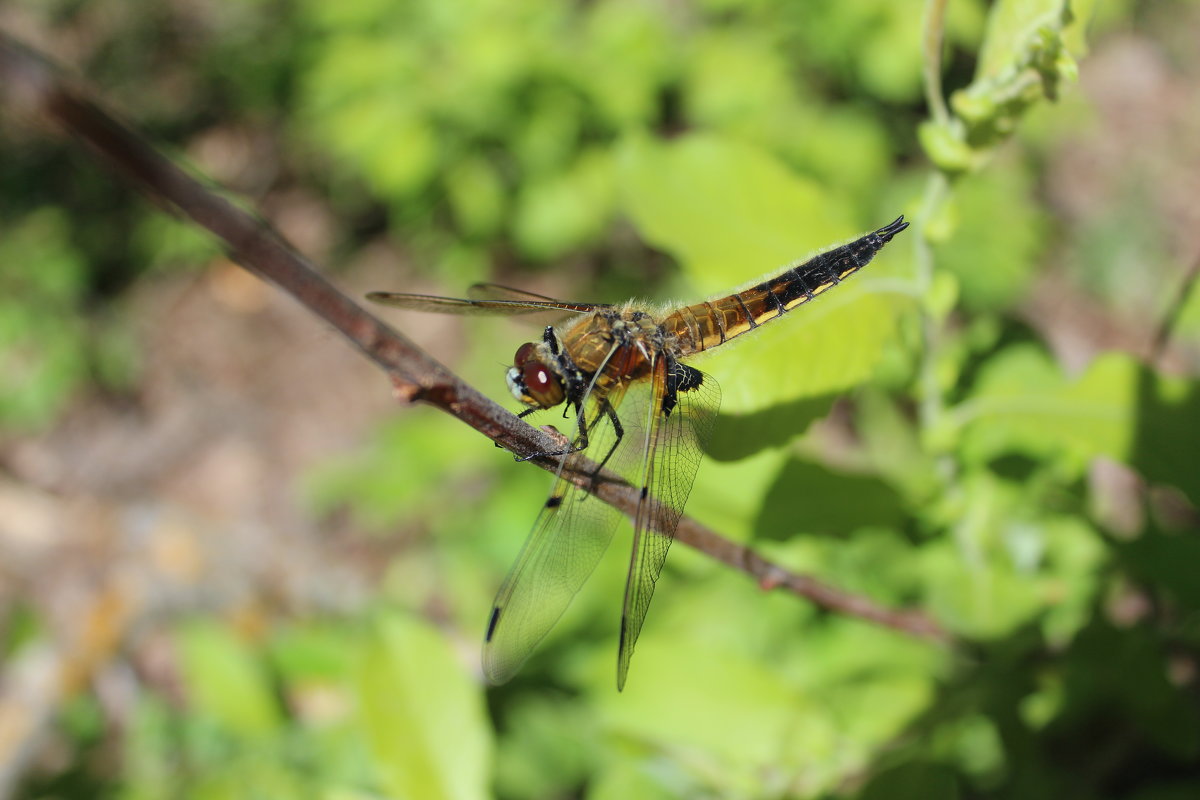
[677, 422]
[516, 303]
[567, 541]
[490, 292]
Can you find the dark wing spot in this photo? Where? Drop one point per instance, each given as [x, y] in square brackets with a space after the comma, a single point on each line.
[645, 492]
[554, 501]
[669, 402]
[680, 378]
[687, 378]
[492, 623]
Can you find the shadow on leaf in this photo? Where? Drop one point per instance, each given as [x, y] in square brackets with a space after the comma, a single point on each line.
[739, 436]
[807, 494]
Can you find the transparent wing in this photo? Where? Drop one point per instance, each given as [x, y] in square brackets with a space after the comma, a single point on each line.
[496, 292]
[486, 298]
[569, 537]
[677, 423]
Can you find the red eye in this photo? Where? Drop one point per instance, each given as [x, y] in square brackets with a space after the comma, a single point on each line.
[524, 353]
[537, 378]
[541, 384]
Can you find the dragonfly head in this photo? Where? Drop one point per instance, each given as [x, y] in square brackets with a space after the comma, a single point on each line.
[534, 378]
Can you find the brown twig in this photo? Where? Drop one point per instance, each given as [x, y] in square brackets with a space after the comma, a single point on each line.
[30, 85]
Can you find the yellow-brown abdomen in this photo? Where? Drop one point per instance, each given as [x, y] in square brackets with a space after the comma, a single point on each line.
[703, 325]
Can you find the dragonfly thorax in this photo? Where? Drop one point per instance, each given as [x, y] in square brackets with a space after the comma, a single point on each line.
[534, 378]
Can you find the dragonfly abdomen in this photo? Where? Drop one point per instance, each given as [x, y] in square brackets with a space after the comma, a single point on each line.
[703, 325]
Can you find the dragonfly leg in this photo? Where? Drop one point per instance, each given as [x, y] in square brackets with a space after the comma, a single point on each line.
[581, 443]
[606, 410]
[611, 413]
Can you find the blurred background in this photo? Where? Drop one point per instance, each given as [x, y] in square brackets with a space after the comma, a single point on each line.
[231, 566]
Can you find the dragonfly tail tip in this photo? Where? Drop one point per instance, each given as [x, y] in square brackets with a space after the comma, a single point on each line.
[891, 229]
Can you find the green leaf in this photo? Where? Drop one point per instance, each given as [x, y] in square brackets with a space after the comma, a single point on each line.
[1000, 231]
[1023, 403]
[1026, 57]
[834, 503]
[477, 196]
[1012, 30]
[624, 778]
[736, 78]
[423, 715]
[626, 51]
[564, 210]
[226, 681]
[310, 652]
[726, 210]
[734, 712]
[836, 346]
[42, 336]
[1009, 561]
[982, 599]
[945, 147]
[379, 482]
[847, 150]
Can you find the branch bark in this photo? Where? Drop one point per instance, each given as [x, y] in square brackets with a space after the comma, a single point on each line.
[32, 87]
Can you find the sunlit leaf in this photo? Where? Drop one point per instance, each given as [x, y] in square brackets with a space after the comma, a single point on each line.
[562, 211]
[993, 250]
[1026, 57]
[1023, 403]
[226, 681]
[728, 211]
[735, 711]
[423, 715]
[735, 78]
[1012, 26]
[624, 779]
[477, 196]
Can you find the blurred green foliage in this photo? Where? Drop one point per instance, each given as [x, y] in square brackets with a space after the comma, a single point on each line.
[41, 334]
[731, 136]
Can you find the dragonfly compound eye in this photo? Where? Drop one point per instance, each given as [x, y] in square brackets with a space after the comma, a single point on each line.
[525, 352]
[542, 385]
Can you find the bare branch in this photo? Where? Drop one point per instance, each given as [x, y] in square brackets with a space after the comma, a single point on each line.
[35, 89]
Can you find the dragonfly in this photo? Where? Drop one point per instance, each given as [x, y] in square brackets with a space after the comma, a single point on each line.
[639, 411]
